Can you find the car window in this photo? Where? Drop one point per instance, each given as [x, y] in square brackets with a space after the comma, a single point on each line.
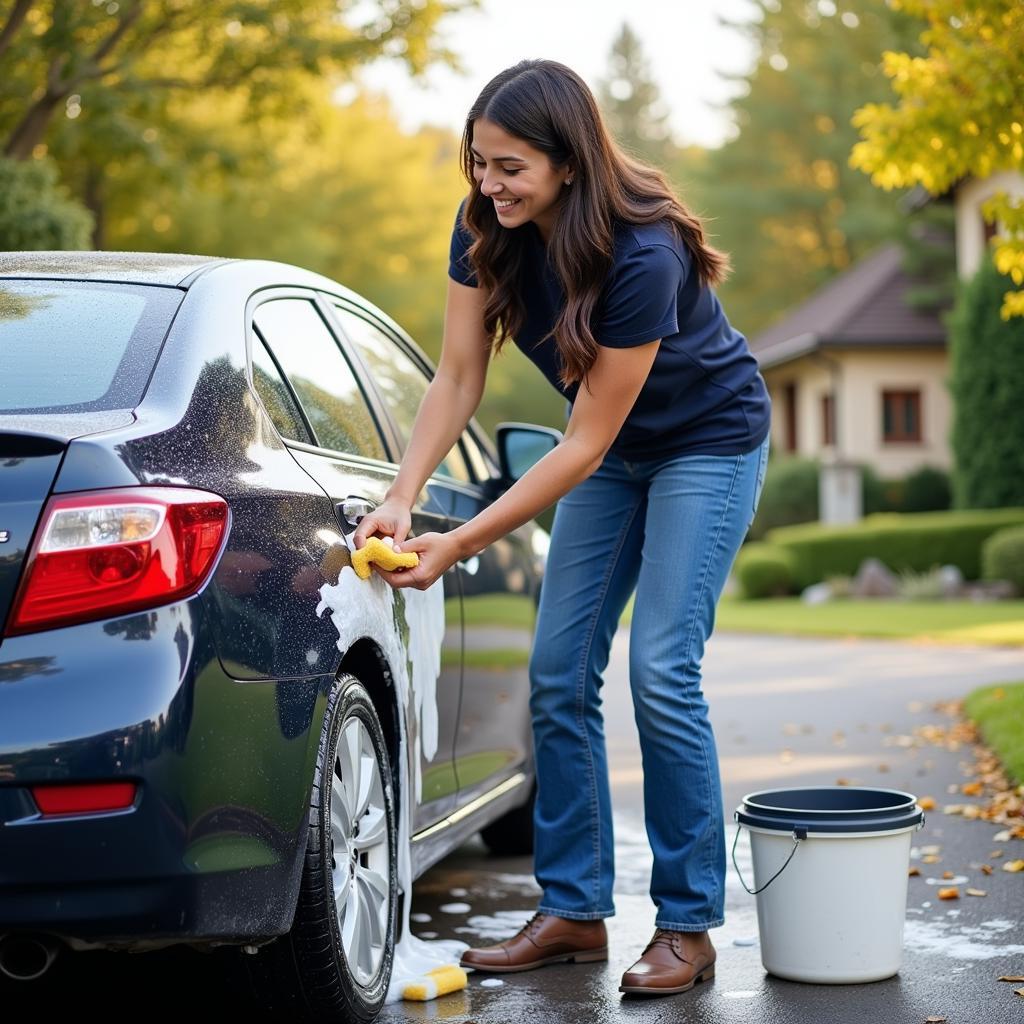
[321, 377]
[73, 347]
[482, 465]
[274, 394]
[401, 382]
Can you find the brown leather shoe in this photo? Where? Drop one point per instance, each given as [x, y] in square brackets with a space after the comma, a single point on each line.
[672, 962]
[544, 939]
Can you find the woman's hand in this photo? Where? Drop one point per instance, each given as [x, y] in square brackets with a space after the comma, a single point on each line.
[391, 518]
[438, 552]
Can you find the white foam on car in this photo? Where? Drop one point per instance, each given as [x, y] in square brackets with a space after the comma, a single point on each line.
[368, 609]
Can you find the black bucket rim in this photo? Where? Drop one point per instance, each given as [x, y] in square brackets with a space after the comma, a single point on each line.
[892, 816]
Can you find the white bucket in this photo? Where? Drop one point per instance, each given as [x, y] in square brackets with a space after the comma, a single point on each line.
[830, 875]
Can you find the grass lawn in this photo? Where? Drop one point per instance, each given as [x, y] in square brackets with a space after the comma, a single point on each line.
[964, 622]
[999, 712]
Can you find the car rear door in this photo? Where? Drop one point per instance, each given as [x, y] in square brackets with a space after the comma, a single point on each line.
[353, 458]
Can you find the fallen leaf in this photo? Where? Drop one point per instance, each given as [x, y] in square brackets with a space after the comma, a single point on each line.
[979, 892]
[1014, 866]
[1011, 977]
[913, 871]
[953, 809]
[993, 854]
[952, 893]
[986, 869]
[931, 858]
[947, 874]
[914, 706]
[934, 1020]
[1018, 992]
[926, 803]
[972, 789]
[931, 849]
[883, 767]
[1002, 837]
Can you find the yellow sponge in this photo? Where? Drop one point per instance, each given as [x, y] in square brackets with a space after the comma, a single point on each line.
[375, 550]
[438, 982]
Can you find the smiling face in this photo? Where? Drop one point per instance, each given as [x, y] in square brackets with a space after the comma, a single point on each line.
[517, 178]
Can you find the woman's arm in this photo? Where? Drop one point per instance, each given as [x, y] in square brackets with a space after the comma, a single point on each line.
[451, 399]
[615, 380]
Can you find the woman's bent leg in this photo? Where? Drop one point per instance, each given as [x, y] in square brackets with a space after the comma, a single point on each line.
[699, 508]
[591, 571]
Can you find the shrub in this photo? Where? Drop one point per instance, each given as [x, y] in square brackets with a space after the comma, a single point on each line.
[926, 490]
[35, 212]
[986, 383]
[764, 570]
[914, 542]
[789, 495]
[1002, 557]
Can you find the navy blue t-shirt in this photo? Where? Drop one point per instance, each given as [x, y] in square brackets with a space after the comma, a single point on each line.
[704, 393]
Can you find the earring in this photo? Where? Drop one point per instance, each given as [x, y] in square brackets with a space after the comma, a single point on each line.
[568, 181]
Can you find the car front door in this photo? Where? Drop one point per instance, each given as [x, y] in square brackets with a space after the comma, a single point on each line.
[491, 741]
[353, 459]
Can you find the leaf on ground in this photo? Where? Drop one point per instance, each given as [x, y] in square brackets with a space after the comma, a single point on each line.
[1019, 992]
[1002, 837]
[931, 849]
[976, 892]
[950, 893]
[1011, 977]
[926, 803]
[972, 788]
[934, 1019]
[931, 858]
[994, 854]
[1014, 866]
[913, 871]
[986, 869]
[947, 874]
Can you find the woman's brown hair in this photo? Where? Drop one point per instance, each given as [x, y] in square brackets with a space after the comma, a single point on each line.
[549, 106]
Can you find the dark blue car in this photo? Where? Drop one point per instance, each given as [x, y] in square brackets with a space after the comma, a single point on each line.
[211, 731]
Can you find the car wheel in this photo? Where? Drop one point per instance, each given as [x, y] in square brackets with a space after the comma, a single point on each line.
[336, 961]
[512, 834]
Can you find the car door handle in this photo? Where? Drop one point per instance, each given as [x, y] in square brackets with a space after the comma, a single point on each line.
[353, 508]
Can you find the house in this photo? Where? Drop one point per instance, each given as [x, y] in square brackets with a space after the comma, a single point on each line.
[858, 376]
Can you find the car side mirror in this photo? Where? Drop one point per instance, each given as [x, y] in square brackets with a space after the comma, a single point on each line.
[520, 445]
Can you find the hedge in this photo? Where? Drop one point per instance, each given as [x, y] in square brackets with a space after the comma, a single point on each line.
[764, 570]
[910, 541]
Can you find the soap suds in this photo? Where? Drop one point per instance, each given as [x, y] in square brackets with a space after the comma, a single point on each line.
[455, 908]
[410, 634]
[491, 983]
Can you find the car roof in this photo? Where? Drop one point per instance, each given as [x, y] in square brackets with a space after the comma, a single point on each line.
[138, 267]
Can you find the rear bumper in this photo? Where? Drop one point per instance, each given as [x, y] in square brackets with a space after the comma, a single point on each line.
[212, 847]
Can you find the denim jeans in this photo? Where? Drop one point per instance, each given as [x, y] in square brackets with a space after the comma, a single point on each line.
[670, 528]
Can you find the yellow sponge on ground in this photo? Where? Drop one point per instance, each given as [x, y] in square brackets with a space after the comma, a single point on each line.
[375, 550]
[438, 982]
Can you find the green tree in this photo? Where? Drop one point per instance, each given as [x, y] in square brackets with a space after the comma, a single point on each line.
[987, 381]
[92, 83]
[631, 102]
[960, 112]
[781, 196]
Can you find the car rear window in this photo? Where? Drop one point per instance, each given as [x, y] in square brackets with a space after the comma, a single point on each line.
[70, 346]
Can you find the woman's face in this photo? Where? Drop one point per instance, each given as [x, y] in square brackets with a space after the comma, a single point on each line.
[517, 178]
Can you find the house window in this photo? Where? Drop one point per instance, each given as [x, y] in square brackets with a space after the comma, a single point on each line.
[828, 419]
[789, 411]
[901, 416]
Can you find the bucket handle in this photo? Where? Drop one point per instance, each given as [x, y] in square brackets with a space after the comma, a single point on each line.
[799, 832]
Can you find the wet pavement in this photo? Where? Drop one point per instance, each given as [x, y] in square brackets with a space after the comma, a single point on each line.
[786, 712]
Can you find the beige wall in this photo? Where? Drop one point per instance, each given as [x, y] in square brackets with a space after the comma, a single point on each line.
[970, 225]
[862, 377]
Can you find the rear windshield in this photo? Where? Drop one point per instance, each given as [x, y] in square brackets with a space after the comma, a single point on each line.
[70, 346]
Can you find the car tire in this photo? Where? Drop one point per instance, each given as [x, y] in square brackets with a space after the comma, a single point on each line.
[512, 834]
[335, 962]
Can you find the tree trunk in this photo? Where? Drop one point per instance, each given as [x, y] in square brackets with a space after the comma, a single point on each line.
[94, 200]
[31, 129]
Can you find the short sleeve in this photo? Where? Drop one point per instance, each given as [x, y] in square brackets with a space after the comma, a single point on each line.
[459, 266]
[640, 303]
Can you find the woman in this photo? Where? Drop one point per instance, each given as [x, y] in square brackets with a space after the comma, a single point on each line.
[588, 262]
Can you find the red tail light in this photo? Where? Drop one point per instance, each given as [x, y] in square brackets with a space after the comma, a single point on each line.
[84, 798]
[104, 553]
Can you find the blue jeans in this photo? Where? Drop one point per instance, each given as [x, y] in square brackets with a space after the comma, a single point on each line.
[670, 528]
